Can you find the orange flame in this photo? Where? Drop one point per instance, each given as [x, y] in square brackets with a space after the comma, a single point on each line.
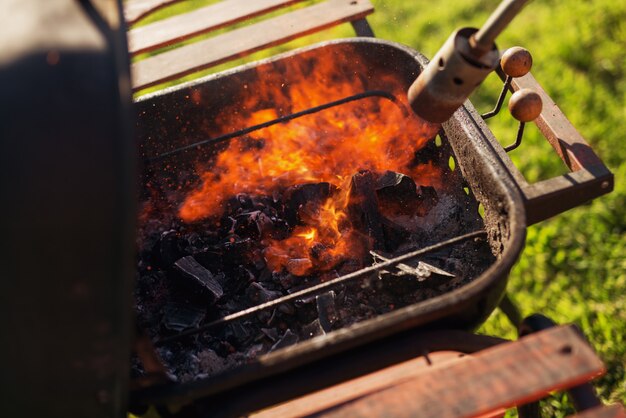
[328, 146]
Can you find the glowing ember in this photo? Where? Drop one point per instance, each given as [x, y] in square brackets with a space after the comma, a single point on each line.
[329, 146]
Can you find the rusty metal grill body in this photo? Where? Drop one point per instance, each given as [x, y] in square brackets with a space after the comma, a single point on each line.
[162, 115]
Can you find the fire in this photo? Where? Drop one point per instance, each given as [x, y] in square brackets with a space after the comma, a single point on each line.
[328, 146]
[309, 234]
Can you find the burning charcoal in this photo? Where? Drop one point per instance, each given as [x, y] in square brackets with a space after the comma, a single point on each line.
[299, 266]
[258, 294]
[244, 202]
[326, 310]
[298, 197]
[254, 224]
[363, 207]
[199, 278]
[178, 316]
[288, 338]
[314, 329]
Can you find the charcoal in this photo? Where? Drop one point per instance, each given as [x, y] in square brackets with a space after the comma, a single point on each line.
[170, 248]
[194, 243]
[428, 199]
[326, 310]
[245, 201]
[258, 294]
[265, 275]
[268, 318]
[297, 198]
[288, 338]
[314, 329]
[180, 316]
[199, 278]
[299, 266]
[255, 224]
[397, 194]
[240, 332]
[255, 351]
[286, 280]
[302, 286]
[233, 249]
[363, 207]
[270, 333]
[287, 308]
[430, 153]
[395, 234]
[239, 279]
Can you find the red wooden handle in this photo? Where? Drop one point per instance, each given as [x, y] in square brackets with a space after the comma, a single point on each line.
[589, 177]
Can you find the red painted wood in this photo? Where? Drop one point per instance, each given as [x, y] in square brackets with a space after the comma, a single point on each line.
[203, 20]
[244, 41]
[499, 377]
[134, 10]
[608, 411]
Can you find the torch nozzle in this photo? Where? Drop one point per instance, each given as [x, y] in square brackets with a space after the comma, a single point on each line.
[461, 65]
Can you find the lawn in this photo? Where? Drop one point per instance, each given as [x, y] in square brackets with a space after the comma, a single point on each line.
[573, 267]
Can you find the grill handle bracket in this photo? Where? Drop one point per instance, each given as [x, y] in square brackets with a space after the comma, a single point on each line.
[589, 177]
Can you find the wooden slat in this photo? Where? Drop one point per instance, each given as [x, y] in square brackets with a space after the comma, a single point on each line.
[608, 411]
[134, 10]
[198, 21]
[499, 377]
[244, 41]
[358, 387]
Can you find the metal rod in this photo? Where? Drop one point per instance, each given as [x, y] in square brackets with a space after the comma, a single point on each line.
[483, 40]
[320, 287]
[286, 118]
[518, 139]
[505, 90]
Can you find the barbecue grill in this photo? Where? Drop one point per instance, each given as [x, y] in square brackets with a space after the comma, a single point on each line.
[508, 204]
[486, 170]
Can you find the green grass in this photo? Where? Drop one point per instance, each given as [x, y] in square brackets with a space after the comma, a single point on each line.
[573, 268]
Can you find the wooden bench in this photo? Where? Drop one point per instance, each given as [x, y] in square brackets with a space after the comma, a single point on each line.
[236, 43]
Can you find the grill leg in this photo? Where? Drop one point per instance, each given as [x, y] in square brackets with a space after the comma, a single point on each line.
[362, 28]
[510, 309]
